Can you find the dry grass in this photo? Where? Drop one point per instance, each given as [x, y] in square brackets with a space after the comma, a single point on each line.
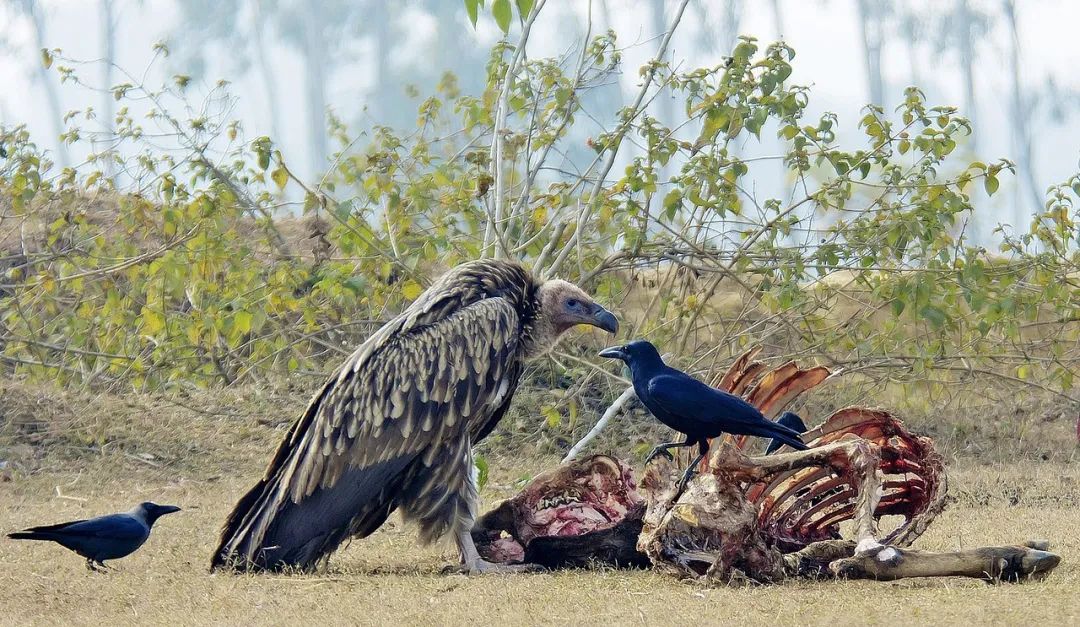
[203, 461]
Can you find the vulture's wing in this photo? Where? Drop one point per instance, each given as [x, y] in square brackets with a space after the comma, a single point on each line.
[410, 394]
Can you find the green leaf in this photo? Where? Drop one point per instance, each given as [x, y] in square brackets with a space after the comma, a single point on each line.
[672, 203]
[46, 58]
[482, 471]
[933, 315]
[242, 322]
[500, 10]
[524, 7]
[735, 126]
[554, 418]
[411, 290]
[991, 184]
[472, 7]
[280, 176]
[152, 321]
[261, 146]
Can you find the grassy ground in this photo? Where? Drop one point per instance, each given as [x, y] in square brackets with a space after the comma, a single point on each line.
[203, 460]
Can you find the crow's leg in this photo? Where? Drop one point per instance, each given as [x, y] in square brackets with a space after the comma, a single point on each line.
[703, 450]
[96, 566]
[473, 564]
[662, 449]
[689, 473]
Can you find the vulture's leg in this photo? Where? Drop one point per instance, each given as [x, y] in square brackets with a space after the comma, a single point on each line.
[473, 564]
[444, 502]
[662, 449]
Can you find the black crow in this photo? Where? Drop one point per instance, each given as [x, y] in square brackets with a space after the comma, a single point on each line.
[691, 407]
[103, 538]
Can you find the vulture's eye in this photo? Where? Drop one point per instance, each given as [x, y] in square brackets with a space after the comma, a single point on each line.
[572, 303]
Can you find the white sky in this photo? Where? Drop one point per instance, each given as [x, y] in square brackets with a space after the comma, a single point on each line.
[824, 33]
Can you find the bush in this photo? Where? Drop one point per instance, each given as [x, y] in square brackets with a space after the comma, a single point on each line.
[190, 264]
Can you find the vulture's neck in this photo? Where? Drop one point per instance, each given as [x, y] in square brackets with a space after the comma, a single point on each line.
[539, 337]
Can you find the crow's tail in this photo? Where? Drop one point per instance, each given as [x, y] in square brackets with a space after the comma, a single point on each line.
[786, 430]
[31, 535]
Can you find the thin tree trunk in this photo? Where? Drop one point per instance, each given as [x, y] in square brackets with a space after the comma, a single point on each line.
[967, 63]
[663, 106]
[52, 98]
[108, 55]
[1021, 117]
[261, 53]
[732, 20]
[911, 40]
[381, 15]
[778, 18]
[315, 89]
[870, 26]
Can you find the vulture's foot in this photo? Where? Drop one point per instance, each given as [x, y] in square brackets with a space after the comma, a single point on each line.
[481, 566]
[473, 564]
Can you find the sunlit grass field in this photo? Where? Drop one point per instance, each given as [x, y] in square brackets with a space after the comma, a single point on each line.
[203, 460]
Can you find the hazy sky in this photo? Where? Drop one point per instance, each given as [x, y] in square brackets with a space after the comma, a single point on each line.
[825, 33]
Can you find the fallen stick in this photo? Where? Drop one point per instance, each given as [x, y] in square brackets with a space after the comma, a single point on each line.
[610, 413]
[989, 563]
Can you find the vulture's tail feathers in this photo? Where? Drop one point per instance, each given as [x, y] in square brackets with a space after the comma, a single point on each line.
[269, 531]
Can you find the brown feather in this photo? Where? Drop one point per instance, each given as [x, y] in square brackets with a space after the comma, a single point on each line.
[394, 426]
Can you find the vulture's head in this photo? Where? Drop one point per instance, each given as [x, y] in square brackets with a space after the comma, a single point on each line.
[564, 305]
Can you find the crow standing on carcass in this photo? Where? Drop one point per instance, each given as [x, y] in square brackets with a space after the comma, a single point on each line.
[103, 538]
[695, 409]
[395, 425]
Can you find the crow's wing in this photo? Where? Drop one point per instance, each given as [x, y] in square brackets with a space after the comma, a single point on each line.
[683, 396]
[114, 526]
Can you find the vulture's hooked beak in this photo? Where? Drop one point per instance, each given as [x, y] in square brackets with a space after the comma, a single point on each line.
[615, 352]
[604, 319]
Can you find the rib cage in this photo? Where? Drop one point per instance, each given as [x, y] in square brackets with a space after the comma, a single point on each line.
[807, 505]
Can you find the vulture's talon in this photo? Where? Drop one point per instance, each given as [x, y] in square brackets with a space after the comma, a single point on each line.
[484, 567]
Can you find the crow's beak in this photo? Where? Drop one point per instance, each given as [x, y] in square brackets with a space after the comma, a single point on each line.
[167, 509]
[604, 319]
[615, 352]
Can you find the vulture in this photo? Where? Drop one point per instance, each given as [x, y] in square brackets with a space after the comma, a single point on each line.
[395, 424]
